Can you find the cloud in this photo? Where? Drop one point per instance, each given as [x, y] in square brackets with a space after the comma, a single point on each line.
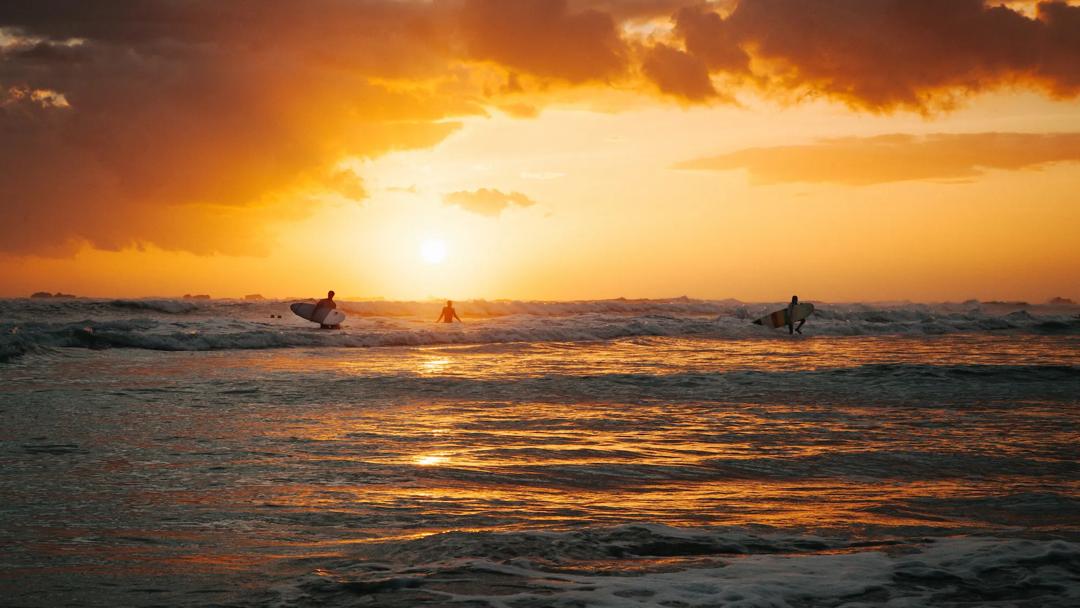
[148, 122]
[885, 54]
[543, 37]
[633, 9]
[893, 158]
[193, 124]
[489, 202]
[520, 110]
[346, 184]
[678, 73]
[711, 38]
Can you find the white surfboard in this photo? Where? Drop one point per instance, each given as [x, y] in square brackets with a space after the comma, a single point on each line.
[326, 316]
[779, 318]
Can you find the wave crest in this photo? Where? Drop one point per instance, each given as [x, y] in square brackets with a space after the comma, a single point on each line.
[162, 324]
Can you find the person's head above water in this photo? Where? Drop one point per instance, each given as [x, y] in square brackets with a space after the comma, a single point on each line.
[449, 303]
[794, 299]
[330, 294]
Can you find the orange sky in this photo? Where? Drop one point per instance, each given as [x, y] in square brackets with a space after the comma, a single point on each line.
[541, 149]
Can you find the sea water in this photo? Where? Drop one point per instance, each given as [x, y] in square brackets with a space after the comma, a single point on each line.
[611, 453]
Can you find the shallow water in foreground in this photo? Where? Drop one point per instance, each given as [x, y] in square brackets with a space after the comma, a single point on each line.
[638, 471]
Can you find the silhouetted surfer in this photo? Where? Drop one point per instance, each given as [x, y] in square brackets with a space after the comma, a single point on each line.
[791, 315]
[325, 303]
[448, 314]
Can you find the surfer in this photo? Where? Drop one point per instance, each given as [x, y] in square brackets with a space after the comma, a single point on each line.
[448, 314]
[325, 303]
[792, 329]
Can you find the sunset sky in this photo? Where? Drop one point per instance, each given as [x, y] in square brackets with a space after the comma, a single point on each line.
[541, 149]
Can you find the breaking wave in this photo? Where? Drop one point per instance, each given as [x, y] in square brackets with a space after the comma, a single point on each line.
[176, 325]
[654, 566]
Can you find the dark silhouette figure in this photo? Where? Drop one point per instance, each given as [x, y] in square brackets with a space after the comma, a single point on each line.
[448, 314]
[328, 304]
[792, 329]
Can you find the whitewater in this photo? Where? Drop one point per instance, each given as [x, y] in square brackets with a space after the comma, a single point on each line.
[615, 453]
[170, 324]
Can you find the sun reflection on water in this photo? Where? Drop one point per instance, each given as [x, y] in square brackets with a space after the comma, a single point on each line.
[435, 365]
[227, 460]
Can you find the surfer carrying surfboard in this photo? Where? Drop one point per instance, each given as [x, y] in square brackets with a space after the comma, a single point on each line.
[324, 312]
[791, 317]
[326, 303]
[788, 316]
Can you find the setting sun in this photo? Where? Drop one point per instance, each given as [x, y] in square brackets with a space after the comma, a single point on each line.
[433, 251]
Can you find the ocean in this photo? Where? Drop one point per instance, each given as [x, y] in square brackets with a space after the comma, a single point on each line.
[639, 453]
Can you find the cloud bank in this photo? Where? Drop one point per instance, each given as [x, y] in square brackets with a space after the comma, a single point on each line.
[892, 158]
[197, 125]
[885, 54]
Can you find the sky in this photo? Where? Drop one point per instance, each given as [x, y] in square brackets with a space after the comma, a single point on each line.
[541, 149]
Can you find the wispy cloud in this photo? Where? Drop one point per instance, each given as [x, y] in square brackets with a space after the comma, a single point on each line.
[893, 158]
[487, 201]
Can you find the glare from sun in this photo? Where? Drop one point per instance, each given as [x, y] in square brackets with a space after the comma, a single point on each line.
[428, 461]
[433, 251]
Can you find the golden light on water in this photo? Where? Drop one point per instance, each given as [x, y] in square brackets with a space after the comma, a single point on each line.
[430, 460]
[435, 366]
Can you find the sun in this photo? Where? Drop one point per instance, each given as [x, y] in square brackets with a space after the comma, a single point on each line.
[433, 251]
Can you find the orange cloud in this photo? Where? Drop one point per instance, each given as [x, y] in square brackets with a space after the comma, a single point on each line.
[488, 202]
[892, 158]
[633, 9]
[544, 38]
[678, 73]
[709, 37]
[161, 121]
[884, 54]
[192, 125]
[520, 110]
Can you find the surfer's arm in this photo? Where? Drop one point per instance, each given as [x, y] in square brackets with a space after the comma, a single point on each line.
[457, 317]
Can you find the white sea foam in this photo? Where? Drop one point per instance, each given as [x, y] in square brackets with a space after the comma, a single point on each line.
[26, 325]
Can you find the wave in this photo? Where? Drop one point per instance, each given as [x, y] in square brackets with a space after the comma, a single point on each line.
[881, 312]
[651, 565]
[912, 385]
[164, 306]
[984, 386]
[161, 324]
[380, 308]
[154, 334]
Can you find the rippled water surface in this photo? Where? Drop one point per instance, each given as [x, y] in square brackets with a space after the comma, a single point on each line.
[631, 471]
